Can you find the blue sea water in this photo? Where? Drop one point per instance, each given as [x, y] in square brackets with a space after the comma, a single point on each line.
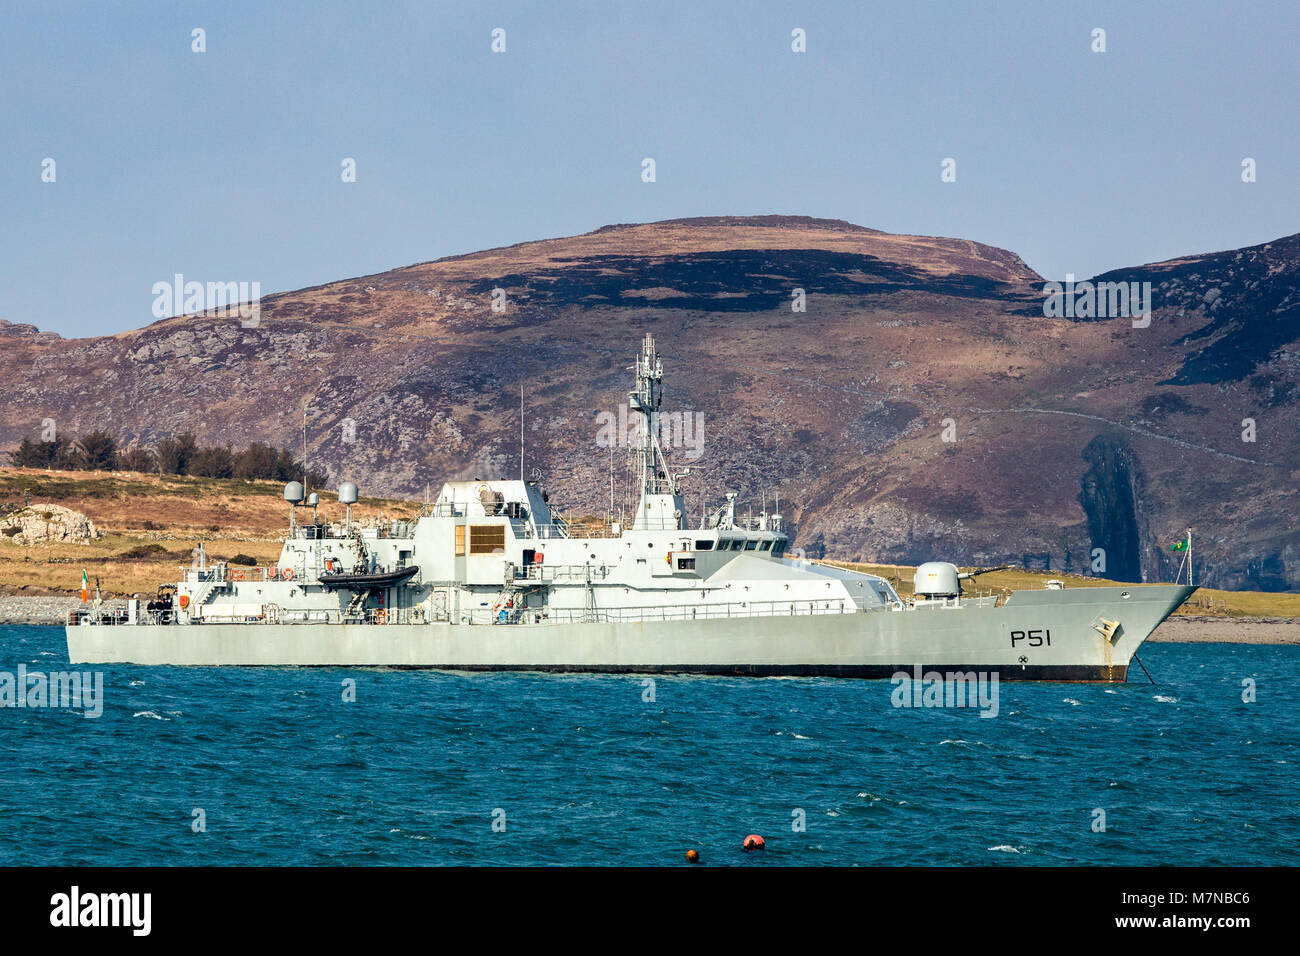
[586, 770]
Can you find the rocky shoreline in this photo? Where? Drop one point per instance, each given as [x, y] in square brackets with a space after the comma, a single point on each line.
[43, 609]
[53, 610]
[1188, 629]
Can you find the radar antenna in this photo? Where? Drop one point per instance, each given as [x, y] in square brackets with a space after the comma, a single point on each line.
[646, 398]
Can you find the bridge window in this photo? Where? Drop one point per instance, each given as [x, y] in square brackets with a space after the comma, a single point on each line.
[487, 538]
[737, 544]
[765, 546]
[704, 544]
[685, 564]
[460, 539]
[751, 544]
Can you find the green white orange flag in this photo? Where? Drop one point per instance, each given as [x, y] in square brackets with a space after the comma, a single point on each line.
[85, 587]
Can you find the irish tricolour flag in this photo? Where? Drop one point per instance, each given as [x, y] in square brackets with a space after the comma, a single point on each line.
[85, 587]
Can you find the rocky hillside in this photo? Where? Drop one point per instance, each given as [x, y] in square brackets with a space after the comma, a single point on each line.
[1069, 434]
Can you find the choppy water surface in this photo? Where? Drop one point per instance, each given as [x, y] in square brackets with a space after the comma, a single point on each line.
[585, 770]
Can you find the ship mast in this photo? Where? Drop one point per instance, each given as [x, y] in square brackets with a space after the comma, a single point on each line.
[646, 398]
[661, 504]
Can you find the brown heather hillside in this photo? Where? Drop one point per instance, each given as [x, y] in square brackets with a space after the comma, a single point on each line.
[1072, 433]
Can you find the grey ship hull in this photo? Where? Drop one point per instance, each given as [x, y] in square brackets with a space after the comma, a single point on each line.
[1036, 635]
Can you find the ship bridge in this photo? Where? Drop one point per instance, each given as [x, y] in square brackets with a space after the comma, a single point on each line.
[518, 501]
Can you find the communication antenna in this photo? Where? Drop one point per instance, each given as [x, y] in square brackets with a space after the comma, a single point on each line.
[521, 429]
[304, 445]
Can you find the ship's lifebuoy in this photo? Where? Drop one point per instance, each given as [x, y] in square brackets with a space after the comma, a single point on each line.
[381, 616]
[288, 574]
[184, 601]
[237, 575]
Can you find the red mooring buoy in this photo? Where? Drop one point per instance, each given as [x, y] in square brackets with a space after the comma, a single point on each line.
[753, 842]
[692, 856]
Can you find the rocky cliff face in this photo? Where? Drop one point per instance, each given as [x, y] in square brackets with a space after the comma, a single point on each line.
[921, 405]
[48, 524]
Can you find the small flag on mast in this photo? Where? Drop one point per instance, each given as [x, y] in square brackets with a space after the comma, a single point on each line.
[85, 587]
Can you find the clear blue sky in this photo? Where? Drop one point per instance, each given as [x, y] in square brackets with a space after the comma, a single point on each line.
[226, 165]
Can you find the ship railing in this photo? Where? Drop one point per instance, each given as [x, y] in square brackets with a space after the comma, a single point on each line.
[389, 528]
[565, 529]
[274, 614]
[983, 598]
[338, 531]
[97, 615]
[551, 531]
[108, 617]
[379, 528]
[967, 599]
[658, 524]
[222, 573]
[563, 572]
[591, 529]
[699, 612]
[268, 614]
[757, 523]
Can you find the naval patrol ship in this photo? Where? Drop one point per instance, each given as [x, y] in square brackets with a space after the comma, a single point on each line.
[490, 577]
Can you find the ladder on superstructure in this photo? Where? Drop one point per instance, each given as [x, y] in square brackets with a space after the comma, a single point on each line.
[589, 608]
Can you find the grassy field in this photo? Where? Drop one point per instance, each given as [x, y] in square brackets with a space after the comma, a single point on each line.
[151, 525]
